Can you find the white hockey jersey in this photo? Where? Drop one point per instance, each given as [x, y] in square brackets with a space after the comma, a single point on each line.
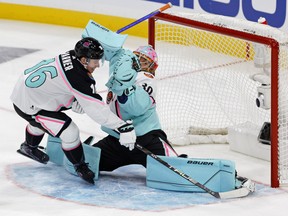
[55, 83]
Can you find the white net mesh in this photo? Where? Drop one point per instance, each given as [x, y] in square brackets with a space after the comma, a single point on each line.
[205, 85]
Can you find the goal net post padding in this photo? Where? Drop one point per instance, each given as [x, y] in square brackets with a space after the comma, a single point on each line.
[210, 76]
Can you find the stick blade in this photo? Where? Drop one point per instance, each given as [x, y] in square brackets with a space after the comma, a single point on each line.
[247, 188]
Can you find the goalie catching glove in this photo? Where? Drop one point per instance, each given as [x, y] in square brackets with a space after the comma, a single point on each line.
[127, 135]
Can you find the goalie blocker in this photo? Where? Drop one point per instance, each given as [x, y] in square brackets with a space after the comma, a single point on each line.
[216, 174]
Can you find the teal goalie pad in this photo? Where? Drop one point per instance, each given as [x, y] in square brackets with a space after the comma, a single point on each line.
[217, 175]
[57, 156]
[111, 41]
[54, 150]
[92, 157]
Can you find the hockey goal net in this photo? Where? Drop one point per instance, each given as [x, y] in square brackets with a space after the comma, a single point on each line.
[216, 76]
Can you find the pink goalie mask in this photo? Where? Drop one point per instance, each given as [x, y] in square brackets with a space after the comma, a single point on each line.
[148, 58]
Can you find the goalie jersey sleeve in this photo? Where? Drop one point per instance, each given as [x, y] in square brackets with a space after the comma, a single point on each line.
[55, 83]
[139, 106]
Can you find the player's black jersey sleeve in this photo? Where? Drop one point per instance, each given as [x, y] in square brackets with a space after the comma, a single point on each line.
[78, 76]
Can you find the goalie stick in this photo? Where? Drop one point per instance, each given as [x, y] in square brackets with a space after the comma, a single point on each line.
[165, 7]
[245, 190]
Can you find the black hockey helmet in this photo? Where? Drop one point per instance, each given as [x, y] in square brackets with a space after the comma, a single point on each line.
[89, 48]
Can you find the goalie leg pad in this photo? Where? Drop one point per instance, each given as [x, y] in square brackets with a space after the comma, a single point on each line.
[217, 175]
[54, 150]
[92, 157]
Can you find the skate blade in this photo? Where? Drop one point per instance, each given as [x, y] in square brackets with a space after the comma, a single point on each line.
[90, 181]
[43, 162]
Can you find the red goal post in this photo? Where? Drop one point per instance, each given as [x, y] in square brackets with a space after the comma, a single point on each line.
[205, 66]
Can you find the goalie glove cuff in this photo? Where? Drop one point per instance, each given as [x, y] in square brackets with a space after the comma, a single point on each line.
[127, 127]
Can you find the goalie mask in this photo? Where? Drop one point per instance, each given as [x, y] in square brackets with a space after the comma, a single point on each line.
[148, 58]
[89, 48]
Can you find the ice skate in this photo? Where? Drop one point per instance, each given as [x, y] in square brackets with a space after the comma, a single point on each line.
[84, 172]
[33, 153]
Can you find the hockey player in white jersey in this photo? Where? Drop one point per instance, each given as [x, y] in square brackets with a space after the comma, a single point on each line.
[54, 85]
[131, 96]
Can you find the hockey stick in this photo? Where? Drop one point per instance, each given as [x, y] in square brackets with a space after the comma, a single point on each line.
[241, 192]
[89, 140]
[165, 7]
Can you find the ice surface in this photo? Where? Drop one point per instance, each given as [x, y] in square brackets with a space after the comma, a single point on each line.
[20, 195]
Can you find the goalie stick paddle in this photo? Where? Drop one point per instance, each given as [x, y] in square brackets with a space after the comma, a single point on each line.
[241, 192]
[165, 7]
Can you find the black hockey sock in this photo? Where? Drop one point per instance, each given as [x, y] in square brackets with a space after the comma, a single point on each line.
[75, 156]
[33, 140]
